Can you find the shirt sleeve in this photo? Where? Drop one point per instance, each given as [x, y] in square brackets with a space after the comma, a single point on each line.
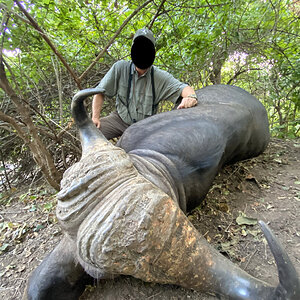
[110, 82]
[168, 87]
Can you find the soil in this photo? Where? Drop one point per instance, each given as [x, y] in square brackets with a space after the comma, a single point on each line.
[263, 188]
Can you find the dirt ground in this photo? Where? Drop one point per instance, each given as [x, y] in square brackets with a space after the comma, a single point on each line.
[264, 188]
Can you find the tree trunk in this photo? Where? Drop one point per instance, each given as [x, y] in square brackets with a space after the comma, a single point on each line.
[217, 63]
[30, 136]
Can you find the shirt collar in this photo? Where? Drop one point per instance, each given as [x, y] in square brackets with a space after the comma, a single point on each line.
[134, 71]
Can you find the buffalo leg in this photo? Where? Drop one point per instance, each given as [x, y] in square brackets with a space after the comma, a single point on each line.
[59, 276]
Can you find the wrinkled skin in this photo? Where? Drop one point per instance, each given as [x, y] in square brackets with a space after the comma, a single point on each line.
[123, 208]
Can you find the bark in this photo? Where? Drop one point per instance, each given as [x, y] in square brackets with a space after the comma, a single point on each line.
[218, 61]
[215, 75]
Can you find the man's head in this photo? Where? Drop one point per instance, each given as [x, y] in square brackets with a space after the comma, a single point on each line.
[143, 49]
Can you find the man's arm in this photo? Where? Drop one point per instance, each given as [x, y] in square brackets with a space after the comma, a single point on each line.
[98, 100]
[189, 98]
[108, 86]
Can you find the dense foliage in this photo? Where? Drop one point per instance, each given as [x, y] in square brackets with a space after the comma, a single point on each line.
[52, 48]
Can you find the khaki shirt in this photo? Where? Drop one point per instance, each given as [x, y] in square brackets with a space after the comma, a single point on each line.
[115, 84]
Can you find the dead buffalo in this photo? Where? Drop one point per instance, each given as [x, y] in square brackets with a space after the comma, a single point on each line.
[122, 208]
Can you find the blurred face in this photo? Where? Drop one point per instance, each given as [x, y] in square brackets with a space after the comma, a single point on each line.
[142, 53]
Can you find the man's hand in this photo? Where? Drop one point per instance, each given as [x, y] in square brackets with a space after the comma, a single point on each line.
[97, 122]
[187, 102]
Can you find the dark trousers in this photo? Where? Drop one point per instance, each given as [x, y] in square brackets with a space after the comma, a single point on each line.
[112, 126]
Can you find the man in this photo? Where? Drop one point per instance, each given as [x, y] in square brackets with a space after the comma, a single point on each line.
[138, 87]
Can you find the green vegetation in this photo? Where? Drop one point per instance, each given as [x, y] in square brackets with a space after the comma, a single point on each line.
[52, 48]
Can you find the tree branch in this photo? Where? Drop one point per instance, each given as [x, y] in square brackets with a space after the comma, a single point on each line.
[28, 104]
[12, 122]
[45, 37]
[241, 72]
[157, 14]
[113, 39]
[40, 154]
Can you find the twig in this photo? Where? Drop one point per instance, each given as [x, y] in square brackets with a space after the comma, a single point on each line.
[154, 295]
[250, 259]
[12, 212]
[157, 14]
[226, 229]
[241, 72]
[205, 233]
[5, 171]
